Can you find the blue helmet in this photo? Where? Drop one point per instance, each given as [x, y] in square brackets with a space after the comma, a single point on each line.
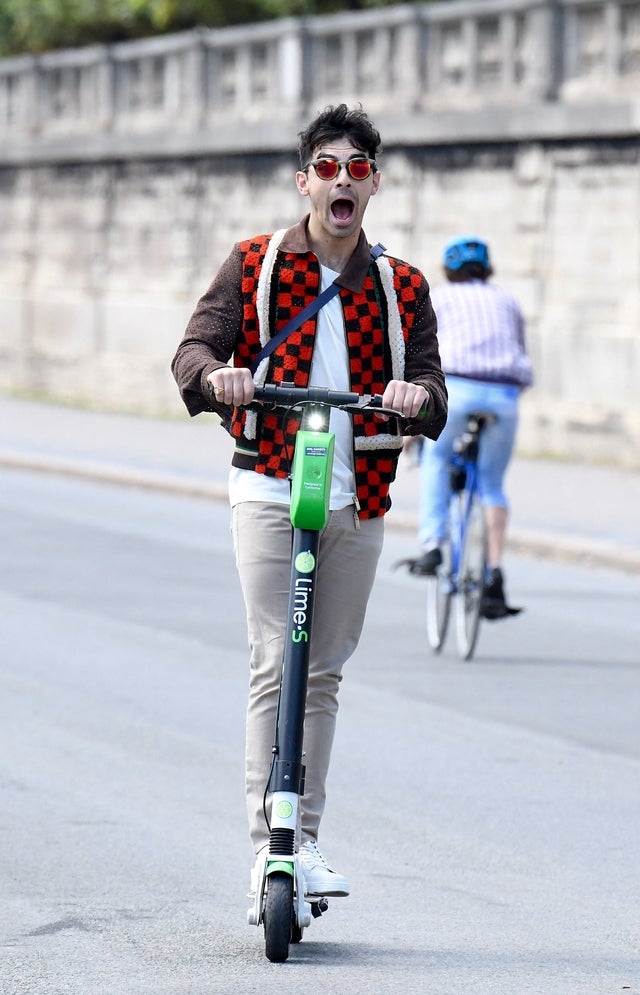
[465, 249]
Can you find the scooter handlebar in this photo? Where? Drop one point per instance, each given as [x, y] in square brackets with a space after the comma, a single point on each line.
[287, 395]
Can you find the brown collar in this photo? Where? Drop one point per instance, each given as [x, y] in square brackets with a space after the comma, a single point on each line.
[296, 239]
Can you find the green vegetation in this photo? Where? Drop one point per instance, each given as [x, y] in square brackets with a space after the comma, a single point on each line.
[41, 25]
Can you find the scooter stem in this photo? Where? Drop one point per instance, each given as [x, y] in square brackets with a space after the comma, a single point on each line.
[288, 769]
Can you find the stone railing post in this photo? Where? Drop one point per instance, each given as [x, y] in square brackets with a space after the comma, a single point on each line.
[290, 59]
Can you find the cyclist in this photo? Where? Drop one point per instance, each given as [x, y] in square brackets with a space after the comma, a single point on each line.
[481, 333]
[378, 335]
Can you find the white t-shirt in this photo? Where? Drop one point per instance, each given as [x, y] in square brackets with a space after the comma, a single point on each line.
[329, 368]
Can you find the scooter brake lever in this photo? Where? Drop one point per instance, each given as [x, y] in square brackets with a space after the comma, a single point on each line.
[372, 404]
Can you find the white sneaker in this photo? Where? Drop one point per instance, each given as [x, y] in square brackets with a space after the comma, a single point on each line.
[319, 878]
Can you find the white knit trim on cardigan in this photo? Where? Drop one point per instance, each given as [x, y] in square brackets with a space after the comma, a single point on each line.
[262, 309]
[370, 442]
[396, 338]
[363, 443]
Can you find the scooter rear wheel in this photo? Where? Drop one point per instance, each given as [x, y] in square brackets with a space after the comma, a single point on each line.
[278, 917]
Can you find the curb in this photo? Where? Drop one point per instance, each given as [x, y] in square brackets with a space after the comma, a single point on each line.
[112, 473]
[582, 551]
[547, 545]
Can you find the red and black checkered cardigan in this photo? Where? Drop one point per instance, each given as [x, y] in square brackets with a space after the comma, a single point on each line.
[389, 323]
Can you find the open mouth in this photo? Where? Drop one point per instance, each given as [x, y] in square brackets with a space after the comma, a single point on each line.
[343, 210]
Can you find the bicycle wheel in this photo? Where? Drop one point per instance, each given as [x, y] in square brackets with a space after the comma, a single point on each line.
[439, 590]
[278, 917]
[473, 556]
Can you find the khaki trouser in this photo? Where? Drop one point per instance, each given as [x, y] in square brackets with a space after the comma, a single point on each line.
[348, 559]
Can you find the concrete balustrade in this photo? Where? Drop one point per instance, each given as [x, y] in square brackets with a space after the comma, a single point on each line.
[423, 65]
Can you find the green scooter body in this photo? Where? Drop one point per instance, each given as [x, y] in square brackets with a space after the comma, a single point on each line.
[312, 465]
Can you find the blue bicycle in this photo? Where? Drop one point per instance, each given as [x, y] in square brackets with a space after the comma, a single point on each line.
[464, 554]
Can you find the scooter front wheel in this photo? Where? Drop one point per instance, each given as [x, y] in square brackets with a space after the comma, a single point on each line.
[278, 916]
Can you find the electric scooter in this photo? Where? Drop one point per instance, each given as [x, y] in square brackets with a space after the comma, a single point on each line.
[280, 903]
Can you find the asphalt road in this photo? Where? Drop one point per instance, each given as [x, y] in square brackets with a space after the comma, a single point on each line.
[486, 813]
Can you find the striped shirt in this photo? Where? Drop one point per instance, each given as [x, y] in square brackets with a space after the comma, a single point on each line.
[481, 333]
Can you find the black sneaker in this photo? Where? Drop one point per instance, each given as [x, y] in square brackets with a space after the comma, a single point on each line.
[494, 602]
[427, 565]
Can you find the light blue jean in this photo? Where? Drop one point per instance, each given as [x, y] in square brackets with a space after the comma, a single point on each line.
[496, 447]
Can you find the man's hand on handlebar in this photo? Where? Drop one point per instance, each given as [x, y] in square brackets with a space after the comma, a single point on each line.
[231, 386]
[409, 398]
[234, 387]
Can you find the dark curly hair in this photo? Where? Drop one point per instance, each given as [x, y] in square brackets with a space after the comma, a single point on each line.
[335, 123]
[468, 271]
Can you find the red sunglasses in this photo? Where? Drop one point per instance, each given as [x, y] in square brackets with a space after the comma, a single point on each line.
[327, 167]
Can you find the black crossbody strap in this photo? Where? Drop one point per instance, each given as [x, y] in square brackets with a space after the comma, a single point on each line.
[304, 315]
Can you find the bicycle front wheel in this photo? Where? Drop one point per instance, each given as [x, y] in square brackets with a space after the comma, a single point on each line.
[439, 591]
[473, 558]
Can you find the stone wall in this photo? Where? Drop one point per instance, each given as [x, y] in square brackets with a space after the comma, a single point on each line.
[127, 173]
